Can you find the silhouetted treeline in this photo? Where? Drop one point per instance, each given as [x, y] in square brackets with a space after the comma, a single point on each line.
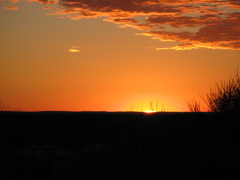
[101, 145]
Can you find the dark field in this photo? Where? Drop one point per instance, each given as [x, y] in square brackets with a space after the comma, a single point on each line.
[103, 145]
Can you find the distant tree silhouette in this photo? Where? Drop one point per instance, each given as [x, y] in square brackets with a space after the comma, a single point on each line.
[224, 97]
[3, 107]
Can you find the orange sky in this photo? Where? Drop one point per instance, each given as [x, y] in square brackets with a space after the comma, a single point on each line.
[108, 55]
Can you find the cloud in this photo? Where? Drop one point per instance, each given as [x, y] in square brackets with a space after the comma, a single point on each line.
[75, 49]
[44, 1]
[217, 33]
[14, 1]
[47, 7]
[194, 24]
[11, 7]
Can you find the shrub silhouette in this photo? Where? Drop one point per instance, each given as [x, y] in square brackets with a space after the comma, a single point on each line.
[225, 97]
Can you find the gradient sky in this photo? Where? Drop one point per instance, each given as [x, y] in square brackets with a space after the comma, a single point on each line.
[114, 55]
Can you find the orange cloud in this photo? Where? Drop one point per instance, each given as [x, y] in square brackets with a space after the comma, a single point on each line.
[195, 24]
[47, 7]
[75, 49]
[14, 1]
[11, 7]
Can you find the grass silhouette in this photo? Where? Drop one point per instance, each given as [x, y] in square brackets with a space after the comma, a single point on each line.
[153, 107]
[194, 105]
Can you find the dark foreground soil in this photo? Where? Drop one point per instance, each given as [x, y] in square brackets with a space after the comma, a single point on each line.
[103, 145]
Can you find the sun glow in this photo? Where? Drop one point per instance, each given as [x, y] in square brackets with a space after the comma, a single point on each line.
[149, 103]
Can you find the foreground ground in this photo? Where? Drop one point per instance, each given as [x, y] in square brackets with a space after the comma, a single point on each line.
[100, 145]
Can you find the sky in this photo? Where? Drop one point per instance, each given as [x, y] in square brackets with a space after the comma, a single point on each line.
[115, 55]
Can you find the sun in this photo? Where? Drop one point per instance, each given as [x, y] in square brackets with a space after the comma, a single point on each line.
[149, 112]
